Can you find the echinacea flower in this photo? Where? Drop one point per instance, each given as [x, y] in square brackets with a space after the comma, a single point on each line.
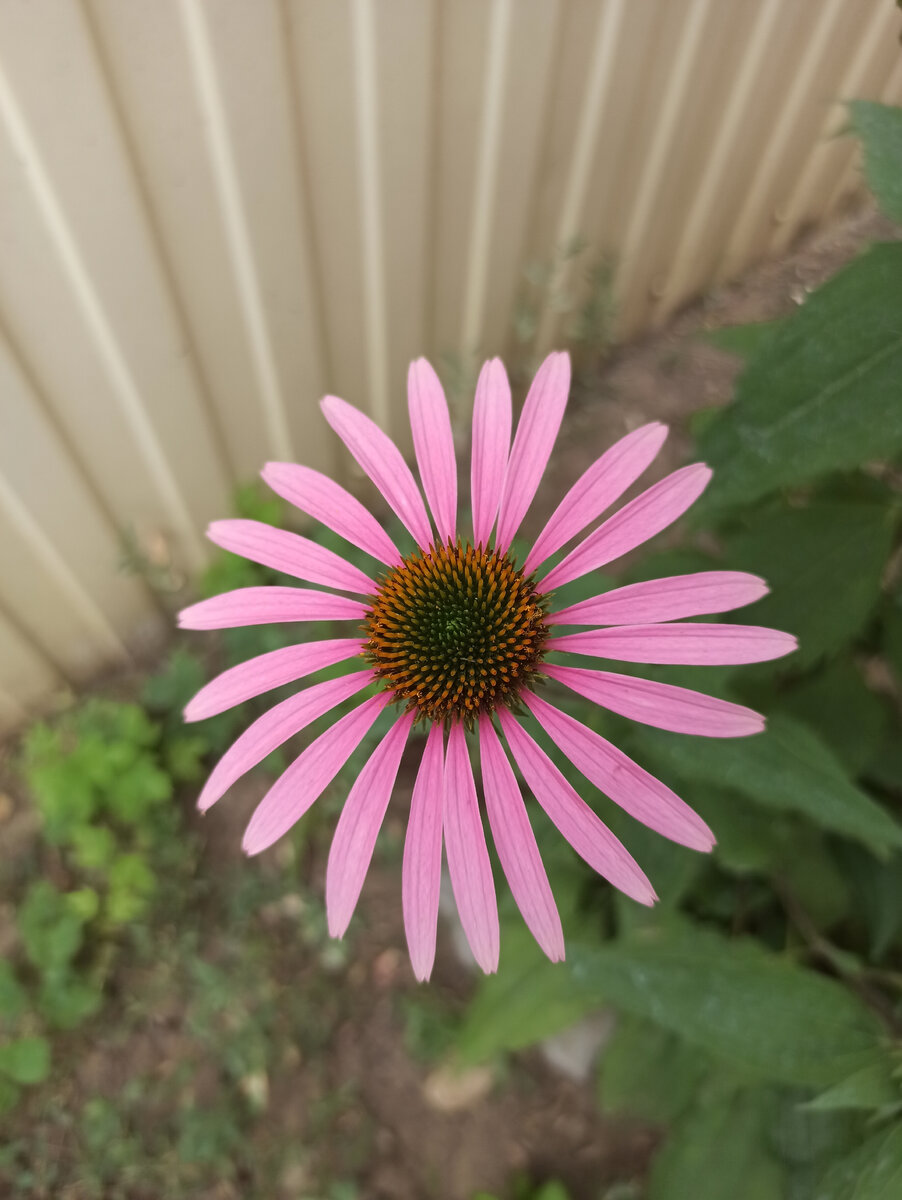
[455, 635]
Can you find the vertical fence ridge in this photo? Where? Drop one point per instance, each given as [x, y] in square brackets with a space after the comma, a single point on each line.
[484, 192]
[307, 217]
[755, 202]
[371, 222]
[656, 160]
[584, 148]
[705, 199]
[854, 78]
[149, 214]
[108, 349]
[194, 23]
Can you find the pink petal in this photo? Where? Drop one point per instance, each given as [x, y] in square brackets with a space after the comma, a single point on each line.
[694, 644]
[666, 599]
[468, 857]
[328, 502]
[589, 837]
[383, 462]
[660, 704]
[597, 489]
[268, 671]
[309, 775]
[536, 432]
[491, 444]
[516, 845]
[627, 784]
[291, 553]
[634, 524]
[421, 874]
[433, 444]
[359, 825]
[275, 727]
[269, 605]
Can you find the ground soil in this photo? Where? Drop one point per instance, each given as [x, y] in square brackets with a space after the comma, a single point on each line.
[407, 1131]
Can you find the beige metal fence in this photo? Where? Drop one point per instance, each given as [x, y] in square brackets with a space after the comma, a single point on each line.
[214, 211]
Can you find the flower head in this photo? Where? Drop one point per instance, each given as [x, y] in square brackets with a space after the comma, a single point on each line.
[453, 638]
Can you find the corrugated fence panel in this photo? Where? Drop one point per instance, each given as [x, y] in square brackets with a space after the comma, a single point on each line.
[80, 284]
[212, 213]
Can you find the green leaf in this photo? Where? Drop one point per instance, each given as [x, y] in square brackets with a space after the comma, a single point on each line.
[65, 798]
[824, 396]
[132, 883]
[65, 1001]
[207, 1135]
[93, 847]
[528, 1000]
[13, 1000]
[9, 1095]
[813, 876]
[553, 1190]
[257, 503]
[84, 902]
[823, 564]
[184, 757]
[872, 1172]
[877, 891]
[880, 130]
[673, 868]
[749, 841]
[839, 706]
[745, 341]
[870, 1087]
[173, 687]
[26, 1060]
[787, 768]
[735, 1000]
[51, 932]
[137, 791]
[649, 1073]
[719, 1150]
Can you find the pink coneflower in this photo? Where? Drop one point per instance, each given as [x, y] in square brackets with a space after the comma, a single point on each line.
[455, 637]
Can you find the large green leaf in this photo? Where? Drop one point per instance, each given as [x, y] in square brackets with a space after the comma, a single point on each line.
[761, 1012]
[870, 1087]
[789, 768]
[50, 928]
[837, 703]
[877, 896]
[872, 1172]
[26, 1060]
[823, 395]
[648, 1072]
[529, 999]
[65, 1000]
[824, 565]
[749, 839]
[880, 130]
[719, 1150]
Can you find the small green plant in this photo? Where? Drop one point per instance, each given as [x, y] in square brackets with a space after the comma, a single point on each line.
[24, 1059]
[102, 779]
[524, 1190]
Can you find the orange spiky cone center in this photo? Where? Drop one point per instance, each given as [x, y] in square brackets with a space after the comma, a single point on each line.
[456, 631]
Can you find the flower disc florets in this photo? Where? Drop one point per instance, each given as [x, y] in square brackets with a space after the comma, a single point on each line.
[456, 631]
